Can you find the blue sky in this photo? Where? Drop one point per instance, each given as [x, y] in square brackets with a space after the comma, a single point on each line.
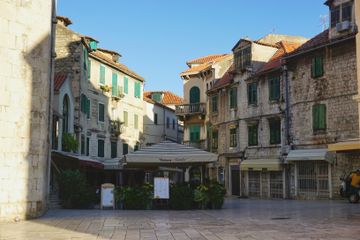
[157, 37]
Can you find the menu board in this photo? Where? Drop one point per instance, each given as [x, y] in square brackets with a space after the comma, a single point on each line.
[161, 188]
[107, 195]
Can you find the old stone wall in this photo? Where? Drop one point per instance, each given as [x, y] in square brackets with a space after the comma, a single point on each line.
[25, 56]
[336, 89]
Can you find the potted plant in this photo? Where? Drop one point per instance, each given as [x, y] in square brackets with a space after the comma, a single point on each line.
[105, 88]
[201, 196]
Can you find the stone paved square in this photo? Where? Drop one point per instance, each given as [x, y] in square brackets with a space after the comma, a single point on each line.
[239, 219]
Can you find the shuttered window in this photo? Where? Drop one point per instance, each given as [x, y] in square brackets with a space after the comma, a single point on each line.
[82, 142]
[274, 89]
[113, 149]
[252, 93]
[194, 133]
[102, 75]
[233, 97]
[155, 118]
[194, 95]
[319, 117]
[156, 97]
[136, 121]
[83, 103]
[317, 67]
[167, 122]
[88, 108]
[275, 131]
[89, 69]
[253, 135]
[125, 148]
[101, 147]
[137, 90]
[114, 85]
[126, 122]
[101, 112]
[215, 140]
[126, 85]
[214, 103]
[233, 137]
[173, 124]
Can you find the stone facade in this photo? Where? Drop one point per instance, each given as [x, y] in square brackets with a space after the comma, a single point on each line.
[25, 89]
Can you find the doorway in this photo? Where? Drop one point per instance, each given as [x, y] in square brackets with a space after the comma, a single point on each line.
[235, 180]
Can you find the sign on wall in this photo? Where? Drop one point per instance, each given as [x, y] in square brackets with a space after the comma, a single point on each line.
[161, 188]
[107, 195]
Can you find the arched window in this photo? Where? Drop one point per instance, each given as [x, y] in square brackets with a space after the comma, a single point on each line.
[66, 114]
[194, 95]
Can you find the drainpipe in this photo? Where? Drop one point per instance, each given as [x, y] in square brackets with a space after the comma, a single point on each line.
[287, 104]
[51, 81]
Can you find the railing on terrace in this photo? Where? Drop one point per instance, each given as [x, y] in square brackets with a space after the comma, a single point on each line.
[201, 144]
[194, 108]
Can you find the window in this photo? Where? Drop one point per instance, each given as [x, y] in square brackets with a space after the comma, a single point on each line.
[82, 142]
[233, 97]
[167, 122]
[113, 149]
[214, 140]
[101, 112]
[137, 90]
[125, 116]
[93, 45]
[275, 131]
[114, 85]
[125, 148]
[136, 148]
[233, 137]
[194, 95]
[155, 118]
[86, 59]
[87, 146]
[317, 68]
[253, 135]
[85, 105]
[214, 103]
[274, 89]
[252, 93]
[243, 58]
[335, 16]
[319, 117]
[173, 124]
[346, 11]
[102, 75]
[156, 97]
[65, 125]
[88, 109]
[126, 85]
[101, 145]
[194, 133]
[136, 121]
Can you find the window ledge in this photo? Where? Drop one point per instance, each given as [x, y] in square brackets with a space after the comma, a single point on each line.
[277, 101]
[252, 105]
[319, 132]
[253, 147]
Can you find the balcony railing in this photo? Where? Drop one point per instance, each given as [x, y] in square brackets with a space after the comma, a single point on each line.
[115, 127]
[201, 144]
[188, 109]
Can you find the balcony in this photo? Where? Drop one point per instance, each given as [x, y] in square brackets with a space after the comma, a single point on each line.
[201, 144]
[191, 109]
[115, 128]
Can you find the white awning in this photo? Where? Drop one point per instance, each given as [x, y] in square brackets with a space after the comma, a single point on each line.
[261, 164]
[309, 155]
[169, 153]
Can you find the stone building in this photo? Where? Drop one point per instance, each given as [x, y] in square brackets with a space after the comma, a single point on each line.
[26, 52]
[200, 77]
[246, 118]
[323, 106]
[106, 113]
[160, 120]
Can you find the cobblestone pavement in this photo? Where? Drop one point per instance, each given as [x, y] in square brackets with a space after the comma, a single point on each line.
[240, 219]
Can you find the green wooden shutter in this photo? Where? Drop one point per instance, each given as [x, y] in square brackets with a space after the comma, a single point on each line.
[155, 118]
[322, 117]
[156, 97]
[233, 97]
[114, 85]
[113, 149]
[88, 108]
[137, 90]
[101, 148]
[319, 66]
[126, 85]
[194, 133]
[313, 67]
[315, 118]
[194, 95]
[101, 112]
[102, 74]
[125, 148]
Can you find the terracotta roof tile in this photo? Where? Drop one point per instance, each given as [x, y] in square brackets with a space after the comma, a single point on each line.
[59, 80]
[109, 51]
[121, 67]
[169, 98]
[197, 69]
[275, 60]
[205, 59]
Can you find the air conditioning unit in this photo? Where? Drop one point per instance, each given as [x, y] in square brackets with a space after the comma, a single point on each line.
[343, 26]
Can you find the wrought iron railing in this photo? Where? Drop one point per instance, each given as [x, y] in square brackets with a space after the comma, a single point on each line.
[194, 108]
